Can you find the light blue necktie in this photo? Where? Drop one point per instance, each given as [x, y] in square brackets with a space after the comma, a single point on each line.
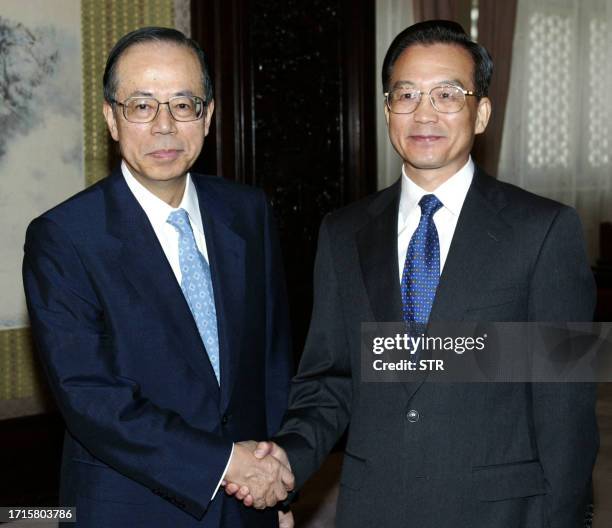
[422, 267]
[196, 284]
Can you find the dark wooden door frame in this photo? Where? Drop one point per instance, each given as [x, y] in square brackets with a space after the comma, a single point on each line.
[218, 26]
[222, 29]
[360, 85]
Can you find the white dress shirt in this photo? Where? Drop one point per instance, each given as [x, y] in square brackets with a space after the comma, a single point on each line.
[157, 212]
[451, 193]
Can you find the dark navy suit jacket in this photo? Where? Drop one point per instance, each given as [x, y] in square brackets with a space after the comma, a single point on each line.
[149, 429]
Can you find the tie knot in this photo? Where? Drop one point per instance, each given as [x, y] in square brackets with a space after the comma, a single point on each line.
[179, 219]
[429, 204]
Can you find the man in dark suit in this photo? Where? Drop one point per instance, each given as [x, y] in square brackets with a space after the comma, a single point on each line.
[445, 243]
[158, 308]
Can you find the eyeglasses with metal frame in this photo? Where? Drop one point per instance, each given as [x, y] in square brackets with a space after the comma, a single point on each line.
[182, 108]
[446, 99]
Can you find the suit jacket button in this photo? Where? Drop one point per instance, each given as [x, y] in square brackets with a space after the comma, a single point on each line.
[412, 415]
[224, 419]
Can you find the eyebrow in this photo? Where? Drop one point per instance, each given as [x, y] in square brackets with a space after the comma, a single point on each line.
[140, 93]
[452, 82]
[187, 93]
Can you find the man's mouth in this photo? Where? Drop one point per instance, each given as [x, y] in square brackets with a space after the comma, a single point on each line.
[165, 154]
[425, 138]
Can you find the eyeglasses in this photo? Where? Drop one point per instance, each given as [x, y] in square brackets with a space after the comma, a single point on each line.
[145, 109]
[446, 99]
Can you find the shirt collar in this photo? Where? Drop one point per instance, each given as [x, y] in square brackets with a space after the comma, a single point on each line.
[156, 209]
[451, 193]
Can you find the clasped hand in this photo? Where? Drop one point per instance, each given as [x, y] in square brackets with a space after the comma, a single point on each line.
[259, 474]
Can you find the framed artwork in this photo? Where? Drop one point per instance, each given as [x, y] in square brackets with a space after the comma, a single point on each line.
[53, 143]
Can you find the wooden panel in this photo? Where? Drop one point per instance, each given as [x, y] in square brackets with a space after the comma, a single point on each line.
[30, 460]
[294, 114]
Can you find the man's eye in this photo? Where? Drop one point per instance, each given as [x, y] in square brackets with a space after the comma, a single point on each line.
[448, 93]
[142, 106]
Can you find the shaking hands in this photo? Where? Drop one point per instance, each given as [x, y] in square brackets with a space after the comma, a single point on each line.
[259, 474]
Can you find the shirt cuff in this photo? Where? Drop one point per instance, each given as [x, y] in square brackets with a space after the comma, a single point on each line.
[223, 475]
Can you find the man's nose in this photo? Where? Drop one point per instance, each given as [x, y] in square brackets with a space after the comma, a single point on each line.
[164, 123]
[425, 111]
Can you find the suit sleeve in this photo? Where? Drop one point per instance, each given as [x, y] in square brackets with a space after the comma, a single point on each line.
[102, 409]
[562, 289]
[320, 396]
[279, 364]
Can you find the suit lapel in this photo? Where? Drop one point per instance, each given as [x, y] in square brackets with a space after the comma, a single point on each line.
[478, 237]
[143, 262]
[226, 248]
[377, 248]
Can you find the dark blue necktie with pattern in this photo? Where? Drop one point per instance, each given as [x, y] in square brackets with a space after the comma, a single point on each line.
[422, 266]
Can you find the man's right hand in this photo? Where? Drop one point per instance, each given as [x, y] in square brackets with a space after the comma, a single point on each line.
[262, 451]
[260, 480]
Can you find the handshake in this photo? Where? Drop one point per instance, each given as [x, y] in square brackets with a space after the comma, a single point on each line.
[259, 474]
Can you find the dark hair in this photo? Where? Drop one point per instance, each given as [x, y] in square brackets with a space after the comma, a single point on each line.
[152, 34]
[440, 32]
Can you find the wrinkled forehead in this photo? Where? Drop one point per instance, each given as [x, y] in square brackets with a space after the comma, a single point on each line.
[427, 65]
[153, 62]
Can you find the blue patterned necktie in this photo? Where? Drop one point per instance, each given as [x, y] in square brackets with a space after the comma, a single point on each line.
[422, 267]
[196, 284]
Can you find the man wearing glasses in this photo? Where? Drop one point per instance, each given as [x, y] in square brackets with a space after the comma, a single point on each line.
[445, 243]
[158, 308]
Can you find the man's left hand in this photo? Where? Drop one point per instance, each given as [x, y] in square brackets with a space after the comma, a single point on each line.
[285, 520]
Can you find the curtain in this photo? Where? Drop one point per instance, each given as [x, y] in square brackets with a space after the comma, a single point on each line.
[457, 10]
[496, 22]
[556, 139]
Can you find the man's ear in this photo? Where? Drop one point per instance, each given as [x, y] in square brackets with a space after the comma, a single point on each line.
[386, 108]
[483, 113]
[111, 122]
[210, 108]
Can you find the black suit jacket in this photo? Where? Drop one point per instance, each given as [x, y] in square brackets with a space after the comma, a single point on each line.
[149, 428]
[506, 455]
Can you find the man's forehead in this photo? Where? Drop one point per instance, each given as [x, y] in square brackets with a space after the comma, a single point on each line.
[438, 63]
[153, 50]
[437, 48]
[147, 68]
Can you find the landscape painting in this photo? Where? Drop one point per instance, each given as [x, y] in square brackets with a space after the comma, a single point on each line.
[41, 128]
